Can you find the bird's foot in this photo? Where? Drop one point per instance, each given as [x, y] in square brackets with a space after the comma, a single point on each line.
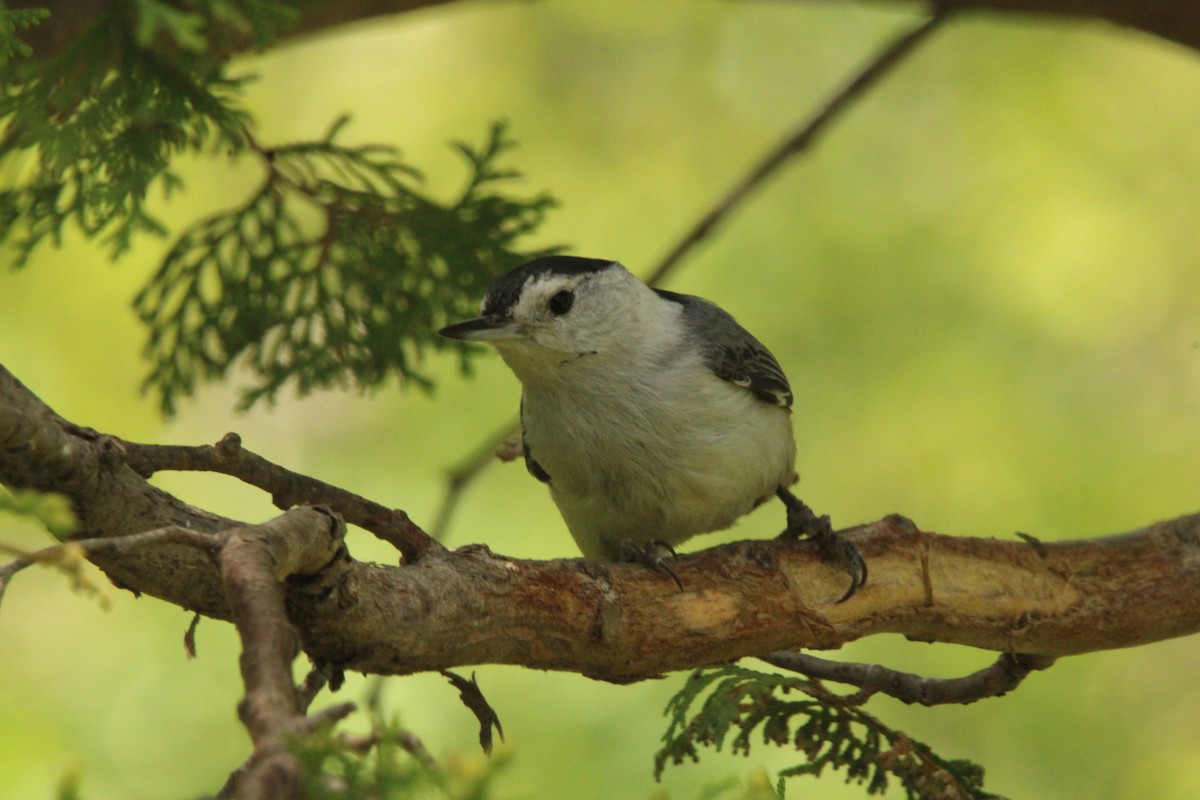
[655, 554]
[803, 522]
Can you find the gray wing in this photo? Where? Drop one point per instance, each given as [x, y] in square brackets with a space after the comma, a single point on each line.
[731, 351]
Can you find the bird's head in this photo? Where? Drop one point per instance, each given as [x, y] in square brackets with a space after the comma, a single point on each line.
[554, 311]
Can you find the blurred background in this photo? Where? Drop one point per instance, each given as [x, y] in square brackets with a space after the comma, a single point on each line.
[984, 284]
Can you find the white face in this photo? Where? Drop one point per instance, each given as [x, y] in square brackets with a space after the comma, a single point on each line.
[566, 316]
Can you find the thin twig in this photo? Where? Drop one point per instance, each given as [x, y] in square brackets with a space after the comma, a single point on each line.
[795, 143]
[462, 474]
[328, 717]
[287, 488]
[800, 140]
[992, 681]
[472, 697]
[412, 744]
[122, 544]
[316, 680]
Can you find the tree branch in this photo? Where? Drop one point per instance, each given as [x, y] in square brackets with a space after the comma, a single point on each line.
[71, 19]
[88, 548]
[40, 450]
[286, 488]
[993, 681]
[254, 563]
[801, 139]
[504, 445]
[1174, 20]
[623, 622]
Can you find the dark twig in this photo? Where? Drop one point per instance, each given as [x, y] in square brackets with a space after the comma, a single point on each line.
[993, 681]
[316, 680]
[464, 472]
[799, 140]
[189, 637]
[287, 488]
[473, 699]
[412, 744]
[795, 143]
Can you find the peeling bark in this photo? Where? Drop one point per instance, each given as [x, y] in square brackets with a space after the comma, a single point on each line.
[622, 622]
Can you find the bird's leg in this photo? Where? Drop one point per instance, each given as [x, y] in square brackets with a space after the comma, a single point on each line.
[655, 554]
[801, 521]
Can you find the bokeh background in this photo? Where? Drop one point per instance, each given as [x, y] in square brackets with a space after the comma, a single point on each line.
[984, 284]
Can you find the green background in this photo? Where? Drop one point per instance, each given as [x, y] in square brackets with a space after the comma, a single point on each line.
[984, 284]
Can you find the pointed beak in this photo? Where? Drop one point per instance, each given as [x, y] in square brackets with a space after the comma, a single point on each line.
[480, 329]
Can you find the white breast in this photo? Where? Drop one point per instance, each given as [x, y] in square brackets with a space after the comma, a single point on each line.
[660, 455]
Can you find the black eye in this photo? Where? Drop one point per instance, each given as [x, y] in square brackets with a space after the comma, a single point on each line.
[561, 303]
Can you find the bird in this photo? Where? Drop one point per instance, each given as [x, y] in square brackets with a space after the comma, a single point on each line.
[653, 416]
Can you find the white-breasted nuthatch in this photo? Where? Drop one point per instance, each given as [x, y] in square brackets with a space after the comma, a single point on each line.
[653, 416]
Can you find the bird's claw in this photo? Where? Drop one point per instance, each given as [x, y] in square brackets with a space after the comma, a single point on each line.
[655, 554]
[802, 522]
[834, 546]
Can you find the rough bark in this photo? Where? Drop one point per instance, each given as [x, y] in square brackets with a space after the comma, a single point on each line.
[624, 622]
[253, 562]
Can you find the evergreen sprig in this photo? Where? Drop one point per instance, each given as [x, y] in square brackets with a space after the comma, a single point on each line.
[336, 272]
[828, 733]
[390, 764]
[88, 134]
[52, 510]
[11, 21]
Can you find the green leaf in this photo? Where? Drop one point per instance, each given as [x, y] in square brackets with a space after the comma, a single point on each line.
[13, 20]
[389, 764]
[826, 733]
[50, 509]
[154, 19]
[94, 130]
[336, 272]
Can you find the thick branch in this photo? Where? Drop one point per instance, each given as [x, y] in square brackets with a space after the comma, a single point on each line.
[622, 622]
[70, 19]
[39, 450]
[1175, 20]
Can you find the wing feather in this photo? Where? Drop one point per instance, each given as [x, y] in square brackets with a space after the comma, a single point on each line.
[732, 352]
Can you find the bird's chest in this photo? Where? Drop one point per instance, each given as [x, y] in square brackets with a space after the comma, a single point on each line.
[634, 441]
[599, 442]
